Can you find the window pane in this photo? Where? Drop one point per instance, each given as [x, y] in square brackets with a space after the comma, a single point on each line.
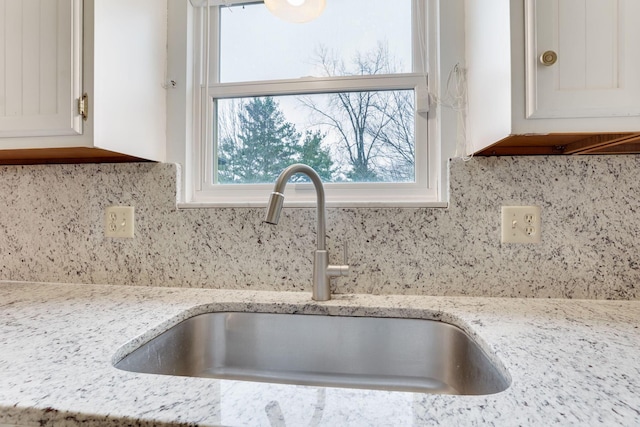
[255, 45]
[345, 137]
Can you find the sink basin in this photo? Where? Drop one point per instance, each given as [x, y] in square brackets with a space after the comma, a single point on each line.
[332, 351]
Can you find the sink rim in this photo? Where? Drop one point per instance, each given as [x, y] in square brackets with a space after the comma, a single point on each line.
[309, 310]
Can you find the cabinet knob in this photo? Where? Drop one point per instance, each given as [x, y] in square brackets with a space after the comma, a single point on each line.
[548, 58]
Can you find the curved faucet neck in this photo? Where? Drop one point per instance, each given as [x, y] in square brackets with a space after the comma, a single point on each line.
[281, 183]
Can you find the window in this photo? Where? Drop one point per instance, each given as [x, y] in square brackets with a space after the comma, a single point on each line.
[346, 94]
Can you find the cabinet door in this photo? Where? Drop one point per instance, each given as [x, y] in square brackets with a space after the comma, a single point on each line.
[597, 72]
[40, 67]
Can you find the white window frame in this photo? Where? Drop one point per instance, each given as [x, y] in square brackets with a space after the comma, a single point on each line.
[196, 189]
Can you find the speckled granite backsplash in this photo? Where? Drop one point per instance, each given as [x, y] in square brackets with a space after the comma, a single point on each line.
[51, 230]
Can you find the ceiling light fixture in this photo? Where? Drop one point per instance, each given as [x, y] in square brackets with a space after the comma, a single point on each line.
[297, 11]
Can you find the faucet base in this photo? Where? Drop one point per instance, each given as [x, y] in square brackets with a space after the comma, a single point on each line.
[322, 274]
[321, 288]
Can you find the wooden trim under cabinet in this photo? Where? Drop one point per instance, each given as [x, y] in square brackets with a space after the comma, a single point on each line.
[63, 155]
[565, 143]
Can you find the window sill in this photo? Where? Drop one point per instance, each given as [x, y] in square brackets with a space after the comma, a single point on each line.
[304, 204]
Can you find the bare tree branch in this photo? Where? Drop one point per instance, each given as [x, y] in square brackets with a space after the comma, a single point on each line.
[376, 129]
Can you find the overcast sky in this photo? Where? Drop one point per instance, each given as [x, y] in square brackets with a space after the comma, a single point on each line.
[257, 45]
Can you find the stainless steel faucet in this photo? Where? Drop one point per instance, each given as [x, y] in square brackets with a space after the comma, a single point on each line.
[322, 270]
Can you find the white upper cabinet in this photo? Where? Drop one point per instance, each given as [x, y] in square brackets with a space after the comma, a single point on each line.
[593, 58]
[40, 69]
[53, 52]
[587, 83]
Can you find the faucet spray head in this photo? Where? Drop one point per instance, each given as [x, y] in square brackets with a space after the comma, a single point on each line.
[274, 207]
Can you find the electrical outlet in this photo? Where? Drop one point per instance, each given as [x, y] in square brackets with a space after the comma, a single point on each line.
[119, 221]
[521, 224]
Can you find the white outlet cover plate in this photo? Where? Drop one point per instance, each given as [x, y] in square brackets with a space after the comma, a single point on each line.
[119, 222]
[521, 224]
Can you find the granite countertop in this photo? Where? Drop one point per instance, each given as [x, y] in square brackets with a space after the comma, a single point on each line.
[572, 362]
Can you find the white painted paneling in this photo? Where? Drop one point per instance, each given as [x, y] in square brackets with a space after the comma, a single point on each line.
[48, 85]
[32, 25]
[129, 73]
[40, 80]
[13, 58]
[489, 71]
[3, 43]
[53, 51]
[587, 36]
[603, 51]
[598, 65]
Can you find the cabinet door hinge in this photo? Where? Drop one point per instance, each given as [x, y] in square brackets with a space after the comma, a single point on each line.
[83, 106]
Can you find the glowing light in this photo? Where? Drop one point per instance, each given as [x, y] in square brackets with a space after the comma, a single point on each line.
[296, 10]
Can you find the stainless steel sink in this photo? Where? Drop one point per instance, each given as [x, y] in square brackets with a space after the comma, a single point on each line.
[333, 351]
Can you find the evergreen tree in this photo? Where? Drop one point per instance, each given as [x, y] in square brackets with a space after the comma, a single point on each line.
[311, 153]
[264, 145]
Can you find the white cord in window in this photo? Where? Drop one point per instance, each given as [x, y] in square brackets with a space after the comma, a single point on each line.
[455, 93]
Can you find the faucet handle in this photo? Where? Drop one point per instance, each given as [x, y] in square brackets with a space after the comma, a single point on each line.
[338, 270]
[343, 270]
[345, 252]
